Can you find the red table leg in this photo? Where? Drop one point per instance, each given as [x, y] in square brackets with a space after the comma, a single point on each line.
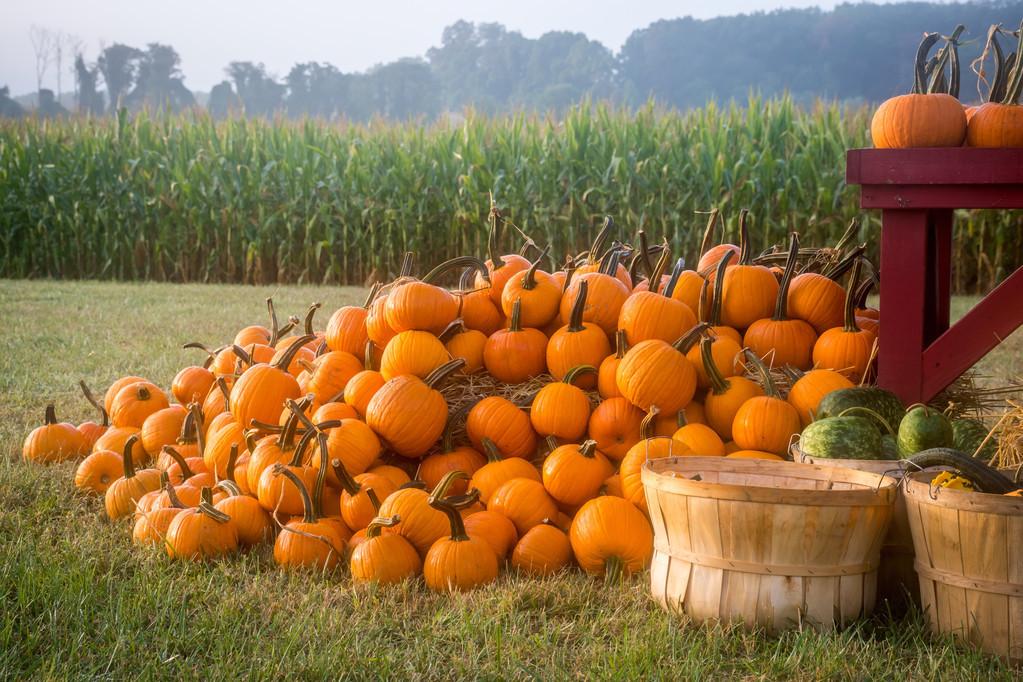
[939, 277]
[904, 301]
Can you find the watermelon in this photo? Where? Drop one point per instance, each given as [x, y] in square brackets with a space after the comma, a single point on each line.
[884, 403]
[846, 437]
[968, 434]
[923, 428]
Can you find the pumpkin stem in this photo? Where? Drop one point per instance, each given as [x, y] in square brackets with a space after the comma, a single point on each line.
[781, 306]
[515, 324]
[621, 344]
[242, 354]
[250, 440]
[836, 272]
[284, 361]
[529, 279]
[191, 429]
[206, 507]
[588, 449]
[380, 522]
[609, 264]
[373, 291]
[646, 427]
[575, 318]
[718, 384]
[232, 462]
[491, 451]
[920, 71]
[308, 510]
[850, 299]
[770, 388]
[186, 471]
[459, 262]
[659, 268]
[286, 440]
[50, 418]
[598, 241]
[793, 374]
[373, 499]
[691, 337]
[708, 232]
[230, 487]
[954, 68]
[129, 463]
[1014, 83]
[640, 257]
[676, 272]
[745, 250]
[348, 484]
[862, 291]
[440, 491]
[552, 444]
[308, 324]
[172, 495]
[221, 384]
[577, 372]
[211, 355]
[142, 393]
[443, 372]
[458, 533]
[496, 262]
[321, 475]
[719, 285]
[95, 403]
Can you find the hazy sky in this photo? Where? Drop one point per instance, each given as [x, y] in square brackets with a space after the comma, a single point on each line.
[351, 35]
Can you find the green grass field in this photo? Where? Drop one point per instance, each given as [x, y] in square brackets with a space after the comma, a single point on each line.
[80, 600]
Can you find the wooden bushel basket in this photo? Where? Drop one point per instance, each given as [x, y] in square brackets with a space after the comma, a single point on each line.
[896, 578]
[969, 556]
[775, 545]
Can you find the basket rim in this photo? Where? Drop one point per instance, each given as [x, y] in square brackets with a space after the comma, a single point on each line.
[918, 488]
[872, 490]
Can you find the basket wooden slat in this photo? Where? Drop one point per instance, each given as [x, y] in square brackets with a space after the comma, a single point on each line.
[768, 544]
[969, 557]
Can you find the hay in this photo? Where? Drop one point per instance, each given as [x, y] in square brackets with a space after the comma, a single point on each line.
[977, 396]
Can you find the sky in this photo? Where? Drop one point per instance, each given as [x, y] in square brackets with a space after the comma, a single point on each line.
[354, 36]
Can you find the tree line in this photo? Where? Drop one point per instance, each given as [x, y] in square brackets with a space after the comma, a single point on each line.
[854, 53]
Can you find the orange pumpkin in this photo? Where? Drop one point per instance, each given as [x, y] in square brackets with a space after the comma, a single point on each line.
[515, 354]
[467, 344]
[847, 349]
[725, 396]
[655, 372]
[524, 502]
[501, 421]
[498, 470]
[499, 268]
[135, 402]
[603, 296]
[578, 342]
[808, 389]
[409, 413]
[560, 409]
[765, 423]
[609, 535]
[615, 425]
[543, 550]
[748, 291]
[655, 314]
[538, 292]
[346, 329]
[418, 304]
[573, 473]
[607, 380]
[53, 441]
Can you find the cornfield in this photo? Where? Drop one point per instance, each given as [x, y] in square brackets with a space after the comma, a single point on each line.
[186, 198]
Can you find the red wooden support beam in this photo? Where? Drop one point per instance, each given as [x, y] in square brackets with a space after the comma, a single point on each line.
[975, 335]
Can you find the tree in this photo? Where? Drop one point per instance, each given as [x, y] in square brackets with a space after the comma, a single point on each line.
[260, 94]
[315, 90]
[119, 66]
[90, 101]
[404, 89]
[223, 102]
[8, 107]
[42, 47]
[49, 107]
[159, 83]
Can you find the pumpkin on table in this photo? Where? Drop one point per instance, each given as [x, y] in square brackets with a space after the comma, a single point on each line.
[999, 121]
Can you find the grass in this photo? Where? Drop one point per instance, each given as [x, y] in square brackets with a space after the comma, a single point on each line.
[80, 601]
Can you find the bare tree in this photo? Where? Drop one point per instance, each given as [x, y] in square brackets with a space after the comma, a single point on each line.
[75, 45]
[43, 47]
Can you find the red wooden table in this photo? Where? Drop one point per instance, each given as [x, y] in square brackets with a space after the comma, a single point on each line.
[917, 190]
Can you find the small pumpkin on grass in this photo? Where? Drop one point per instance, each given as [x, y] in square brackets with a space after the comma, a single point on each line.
[459, 562]
[122, 494]
[421, 524]
[252, 522]
[201, 533]
[384, 559]
[151, 526]
[544, 550]
[96, 472]
[162, 428]
[610, 535]
[53, 441]
[308, 541]
[135, 402]
[495, 529]
[361, 495]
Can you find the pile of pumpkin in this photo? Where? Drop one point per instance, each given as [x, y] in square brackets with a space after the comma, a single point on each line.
[340, 443]
[931, 115]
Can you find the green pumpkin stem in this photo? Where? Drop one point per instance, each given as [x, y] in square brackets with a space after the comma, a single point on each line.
[529, 279]
[373, 291]
[434, 378]
[286, 440]
[719, 285]
[621, 344]
[575, 318]
[232, 462]
[491, 451]
[577, 372]
[95, 403]
[450, 509]
[920, 69]
[379, 523]
[1014, 83]
[745, 249]
[206, 507]
[440, 491]
[308, 510]
[307, 325]
[718, 384]
[659, 268]
[676, 273]
[770, 388]
[515, 324]
[609, 264]
[598, 241]
[781, 305]
[850, 299]
[493, 240]
[691, 337]
[172, 494]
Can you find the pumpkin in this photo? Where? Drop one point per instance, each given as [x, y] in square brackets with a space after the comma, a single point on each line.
[96, 472]
[361, 495]
[460, 561]
[926, 117]
[543, 550]
[395, 475]
[346, 328]
[499, 470]
[611, 536]
[501, 421]
[361, 388]
[999, 121]
[755, 454]
[700, 439]
[725, 396]
[655, 314]
[615, 425]
[603, 297]
[377, 329]
[449, 458]
[476, 308]
[408, 413]
[765, 423]
[808, 389]
[217, 403]
[216, 447]
[415, 353]
[847, 349]
[748, 291]
[251, 521]
[384, 559]
[655, 372]
[90, 430]
[162, 427]
[817, 298]
[115, 438]
[151, 526]
[115, 388]
[786, 341]
[607, 381]
[330, 374]
[538, 294]
[135, 402]
[524, 501]
[573, 473]
[578, 342]
[420, 524]
[560, 409]
[53, 441]
[499, 268]
[710, 256]
[191, 471]
[333, 411]
[418, 304]
[122, 494]
[597, 261]
[191, 384]
[495, 529]
[711, 313]
[515, 354]
[725, 352]
[261, 391]
[467, 344]
[309, 541]
[649, 447]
